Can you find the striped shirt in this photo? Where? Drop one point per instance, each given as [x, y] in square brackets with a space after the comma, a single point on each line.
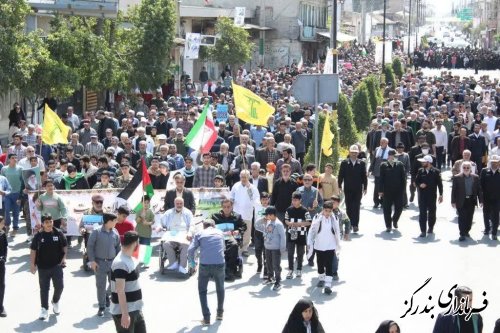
[124, 267]
[96, 149]
[204, 177]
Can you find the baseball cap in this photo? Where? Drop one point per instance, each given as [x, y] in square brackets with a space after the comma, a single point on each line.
[354, 149]
[426, 158]
[164, 163]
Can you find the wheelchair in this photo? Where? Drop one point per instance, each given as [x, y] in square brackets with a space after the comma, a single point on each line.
[234, 262]
[162, 257]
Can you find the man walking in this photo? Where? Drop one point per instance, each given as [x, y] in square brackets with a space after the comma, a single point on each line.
[465, 192]
[102, 247]
[381, 155]
[428, 181]
[126, 295]
[490, 183]
[212, 266]
[392, 187]
[48, 255]
[352, 175]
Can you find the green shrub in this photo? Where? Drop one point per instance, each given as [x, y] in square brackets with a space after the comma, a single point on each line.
[397, 67]
[390, 78]
[361, 107]
[347, 127]
[374, 92]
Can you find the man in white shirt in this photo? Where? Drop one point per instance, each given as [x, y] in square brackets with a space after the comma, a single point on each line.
[245, 197]
[441, 142]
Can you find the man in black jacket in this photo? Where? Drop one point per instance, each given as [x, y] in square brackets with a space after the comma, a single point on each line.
[104, 123]
[428, 181]
[233, 227]
[180, 191]
[352, 175]
[392, 186]
[477, 147]
[490, 183]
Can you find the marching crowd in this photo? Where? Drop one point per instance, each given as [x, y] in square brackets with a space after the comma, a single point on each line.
[454, 57]
[277, 202]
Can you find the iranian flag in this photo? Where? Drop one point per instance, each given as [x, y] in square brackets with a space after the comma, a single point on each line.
[139, 186]
[203, 134]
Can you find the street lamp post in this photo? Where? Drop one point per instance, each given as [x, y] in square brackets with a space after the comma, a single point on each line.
[416, 24]
[383, 37]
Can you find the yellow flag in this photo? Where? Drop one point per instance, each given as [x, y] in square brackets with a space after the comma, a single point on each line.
[251, 108]
[54, 130]
[327, 140]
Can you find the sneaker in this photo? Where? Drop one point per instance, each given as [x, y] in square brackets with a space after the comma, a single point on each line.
[299, 274]
[13, 233]
[328, 291]
[355, 229]
[174, 266]
[100, 313]
[277, 286]
[183, 270]
[422, 234]
[310, 263]
[494, 237]
[461, 239]
[219, 316]
[245, 254]
[388, 230]
[205, 321]
[395, 224]
[430, 231]
[321, 284]
[3, 314]
[335, 277]
[267, 281]
[55, 308]
[289, 275]
[44, 314]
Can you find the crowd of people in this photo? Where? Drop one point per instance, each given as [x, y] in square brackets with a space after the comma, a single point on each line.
[277, 204]
[455, 58]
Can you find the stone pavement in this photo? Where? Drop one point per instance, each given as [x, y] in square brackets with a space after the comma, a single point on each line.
[378, 272]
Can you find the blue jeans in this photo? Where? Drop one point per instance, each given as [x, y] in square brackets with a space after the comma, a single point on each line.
[11, 204]
[216, 272]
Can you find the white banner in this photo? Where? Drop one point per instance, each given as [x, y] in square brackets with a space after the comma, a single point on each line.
[239, 16]
[79, 203]
[379, 51]
[328, 68]
[192, 48]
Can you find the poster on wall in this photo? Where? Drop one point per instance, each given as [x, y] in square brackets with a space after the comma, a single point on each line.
[239, 16]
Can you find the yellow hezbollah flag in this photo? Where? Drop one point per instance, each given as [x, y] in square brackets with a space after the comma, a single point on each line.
[54, 130]
[327, 140]
[251, 108]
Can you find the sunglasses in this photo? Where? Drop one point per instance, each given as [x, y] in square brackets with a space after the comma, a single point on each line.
[98, 201]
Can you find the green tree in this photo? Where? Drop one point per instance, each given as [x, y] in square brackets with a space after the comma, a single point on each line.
[361, 107]
[233, 45]
[390, 78]
[16, 62]
[151, 40]
[334, 158]
[346, 123]
[374, 92]
[397, 67]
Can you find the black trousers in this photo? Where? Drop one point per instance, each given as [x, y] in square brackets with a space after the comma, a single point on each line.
[231, 256]
[391, 199]
[2, 284]
[490, 216]
[427, 211]
[44, 277]
[465, 215]
[325, 262]
[353, 206]
[440, 157]
[301, 249]
[137, 323]
[260, 250]
[376, 199]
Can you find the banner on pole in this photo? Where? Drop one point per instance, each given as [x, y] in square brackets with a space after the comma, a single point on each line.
[239, 16]
[192, 49]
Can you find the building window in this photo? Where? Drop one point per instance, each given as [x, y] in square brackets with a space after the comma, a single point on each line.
[313, 16]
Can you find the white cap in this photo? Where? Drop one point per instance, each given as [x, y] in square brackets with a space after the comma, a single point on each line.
[162, 137]
[426, 158]
[494, 158]
[354, 149]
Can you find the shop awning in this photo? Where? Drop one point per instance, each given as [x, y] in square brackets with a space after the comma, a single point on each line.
[341, 37]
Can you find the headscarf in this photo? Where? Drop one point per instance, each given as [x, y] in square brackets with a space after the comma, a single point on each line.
[295, 323]
[385, 325]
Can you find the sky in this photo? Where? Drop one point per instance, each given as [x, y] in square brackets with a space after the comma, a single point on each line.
[441, 7]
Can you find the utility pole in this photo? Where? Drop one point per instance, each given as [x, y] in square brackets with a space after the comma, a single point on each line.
[409, 29]
[383, 37]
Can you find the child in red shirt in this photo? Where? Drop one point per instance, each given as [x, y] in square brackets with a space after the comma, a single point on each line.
[123, 225]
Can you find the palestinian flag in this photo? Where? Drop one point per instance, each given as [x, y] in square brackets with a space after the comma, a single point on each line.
[139, 186]
[143, 253]
[203, 134]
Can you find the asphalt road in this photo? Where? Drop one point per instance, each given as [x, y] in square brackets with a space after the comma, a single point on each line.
[378, 272]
